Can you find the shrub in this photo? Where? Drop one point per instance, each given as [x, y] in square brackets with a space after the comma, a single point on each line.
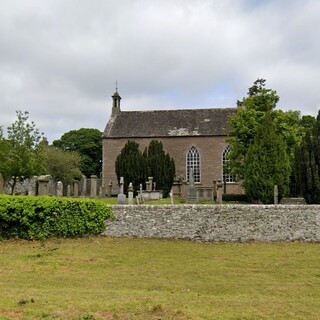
[38, 218]
[235, 197]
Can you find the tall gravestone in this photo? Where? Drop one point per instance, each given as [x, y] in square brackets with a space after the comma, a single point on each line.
[121, 195]
[130, 194]
[59, 189]
[93, 190]
[192, 192]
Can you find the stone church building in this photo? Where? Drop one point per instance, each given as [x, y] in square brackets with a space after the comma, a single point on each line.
[195, 138]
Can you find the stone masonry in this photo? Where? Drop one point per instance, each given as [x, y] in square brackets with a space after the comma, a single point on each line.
[209, 223]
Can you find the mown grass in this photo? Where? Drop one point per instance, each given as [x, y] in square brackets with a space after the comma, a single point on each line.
[105, 278]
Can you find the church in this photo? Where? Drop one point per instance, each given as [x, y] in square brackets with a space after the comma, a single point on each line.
[195, 138]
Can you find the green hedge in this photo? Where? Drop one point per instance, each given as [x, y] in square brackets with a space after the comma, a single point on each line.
[39, 218]
[235, 197]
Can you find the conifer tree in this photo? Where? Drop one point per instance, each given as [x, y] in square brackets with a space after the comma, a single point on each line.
[307, 165]
[131, 165]
[266, 164]
[160, 166]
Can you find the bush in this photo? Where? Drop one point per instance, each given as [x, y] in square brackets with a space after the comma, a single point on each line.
[38, 218]
[235, 197]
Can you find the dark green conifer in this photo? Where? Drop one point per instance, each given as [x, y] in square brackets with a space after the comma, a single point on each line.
[266, 164]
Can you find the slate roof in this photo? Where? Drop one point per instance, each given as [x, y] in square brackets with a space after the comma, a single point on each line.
[169, 123]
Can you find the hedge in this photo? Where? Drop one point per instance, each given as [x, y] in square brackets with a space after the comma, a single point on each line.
[39, 218]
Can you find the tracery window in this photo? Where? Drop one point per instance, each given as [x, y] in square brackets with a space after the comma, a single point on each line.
[226, 176]
[193, 161]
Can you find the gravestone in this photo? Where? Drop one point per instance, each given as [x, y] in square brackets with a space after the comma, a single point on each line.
[68, 191]
[76, 188]
[130, 194]
[59, 189]
[83, 186]
[192, 192]
[275, 194]
[109, 193]
[171, 197]
[43, 185]
[219, 191]
[121, 195]
[93, 189]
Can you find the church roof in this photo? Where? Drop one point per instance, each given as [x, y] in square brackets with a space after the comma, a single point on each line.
[169, 123]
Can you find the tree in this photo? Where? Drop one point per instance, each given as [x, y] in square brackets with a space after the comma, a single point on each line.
[250, 114]
[88, 143]
[135, 167]
[131, 165]
[63, 166]
[22, 152]
[160, 166]
[307, 164]
[266, 164]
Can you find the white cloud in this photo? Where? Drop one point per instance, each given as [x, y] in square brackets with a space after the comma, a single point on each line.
[60, 59]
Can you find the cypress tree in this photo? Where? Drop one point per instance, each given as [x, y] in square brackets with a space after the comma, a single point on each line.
[160, 166]
[307, 164]
[131, 165]
[266, 164]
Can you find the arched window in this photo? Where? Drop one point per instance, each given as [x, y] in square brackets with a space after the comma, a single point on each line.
[226, 176]
[193, 161]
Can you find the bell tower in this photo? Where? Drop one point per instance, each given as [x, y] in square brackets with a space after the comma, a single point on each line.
[116, 102]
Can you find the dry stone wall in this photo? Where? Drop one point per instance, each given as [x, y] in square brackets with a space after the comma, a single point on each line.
[208, 223]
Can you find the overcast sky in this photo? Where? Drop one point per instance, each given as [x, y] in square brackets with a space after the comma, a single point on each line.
[60, 59]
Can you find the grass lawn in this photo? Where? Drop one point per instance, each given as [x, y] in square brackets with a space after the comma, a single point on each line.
[104, 278]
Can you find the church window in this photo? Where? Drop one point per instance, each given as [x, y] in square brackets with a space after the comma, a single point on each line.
[227, 177]
[193, 161]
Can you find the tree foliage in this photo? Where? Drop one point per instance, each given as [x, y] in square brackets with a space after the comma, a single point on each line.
[307, 164]
[62, 165]
[136, 167]
[22, 152]
[160, 166]
[266, 164]
[88, 143]
[131, 165]
[250, 115]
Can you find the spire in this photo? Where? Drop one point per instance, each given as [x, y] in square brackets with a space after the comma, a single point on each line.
[116, 101]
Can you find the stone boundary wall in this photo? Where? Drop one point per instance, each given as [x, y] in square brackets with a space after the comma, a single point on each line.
[208, 223]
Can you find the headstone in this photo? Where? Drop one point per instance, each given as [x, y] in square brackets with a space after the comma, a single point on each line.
[149, 184]
[192, 192]
[76, 188]
[93, 189]
[275, 193]
[83, 186]
[214, 190]
[59, 189]
[68, 191]
[219, 192]
[43, 185]
[130, 194]
[121, 195]
[109, 193]
[1, 183]
[171, 197]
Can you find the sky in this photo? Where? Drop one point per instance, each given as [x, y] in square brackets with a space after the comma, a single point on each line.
[60, 60]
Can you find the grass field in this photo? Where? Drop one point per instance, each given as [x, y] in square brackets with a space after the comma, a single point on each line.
[103, 278]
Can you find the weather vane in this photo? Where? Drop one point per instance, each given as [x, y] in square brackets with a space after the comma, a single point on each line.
[116, 85]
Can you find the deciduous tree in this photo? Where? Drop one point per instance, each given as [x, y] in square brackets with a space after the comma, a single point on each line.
[22, 152]
[88, 143]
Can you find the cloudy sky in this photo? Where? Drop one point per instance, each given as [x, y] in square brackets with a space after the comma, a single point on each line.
[60, 59]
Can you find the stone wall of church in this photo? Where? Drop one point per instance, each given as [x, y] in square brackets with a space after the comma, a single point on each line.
[210, 149]
[231, 223]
